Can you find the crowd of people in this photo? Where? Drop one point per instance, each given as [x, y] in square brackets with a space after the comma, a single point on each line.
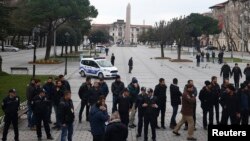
[148, 103]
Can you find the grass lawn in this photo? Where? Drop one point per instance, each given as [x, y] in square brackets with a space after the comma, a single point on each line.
[18, 82]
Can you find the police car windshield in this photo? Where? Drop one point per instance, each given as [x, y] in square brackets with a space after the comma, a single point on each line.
[104, 63]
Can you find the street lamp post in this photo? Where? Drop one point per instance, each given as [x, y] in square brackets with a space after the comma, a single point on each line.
[66, 57]
[35, 40]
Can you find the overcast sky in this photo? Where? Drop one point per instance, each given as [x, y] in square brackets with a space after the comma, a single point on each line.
[149, 10]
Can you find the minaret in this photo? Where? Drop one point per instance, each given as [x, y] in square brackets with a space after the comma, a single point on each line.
[127, 29]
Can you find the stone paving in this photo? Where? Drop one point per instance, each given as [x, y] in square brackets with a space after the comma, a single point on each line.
[146, 70]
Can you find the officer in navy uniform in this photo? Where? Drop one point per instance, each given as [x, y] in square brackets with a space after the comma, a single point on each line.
[40, 107]
[10, 106]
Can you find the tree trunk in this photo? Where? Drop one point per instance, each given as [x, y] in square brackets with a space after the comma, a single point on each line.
[29, 40]
[62, 51]
[66, 49]
[22, 40]
[162, 51]
[179, 52]
[71, 49]
[13, 39]
[246, 46]
[49, 42]
[2, 45]
[76, 48]
[18, 38]
[40, 41]
[44, 41]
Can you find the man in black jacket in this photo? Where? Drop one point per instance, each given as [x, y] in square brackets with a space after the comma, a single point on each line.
[113, 59]
[139, 103]
[84, 93]
[236, 72]
[247, 72]
[95, 93]
[130, 64]
[67, 116]
[225, 71]
[65, 83]
[10, 106]
[49, 88]
[117, 87]
[116, 130]
[40, 106]
[206, 99]
[244, 101]
[215, 91]
[104, 87]
[29, 96]
[160, 93]
[175, 95]
[150, 114]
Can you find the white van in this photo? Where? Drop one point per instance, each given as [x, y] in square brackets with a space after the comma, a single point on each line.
[99, 67]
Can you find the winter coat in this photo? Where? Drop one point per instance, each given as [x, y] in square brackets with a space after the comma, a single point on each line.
[206, 98]
[225, 71]
[84, 91]
[133, 92]
[247, 71]
[130, 63]
[94, 95]
[117, 87]
[104, 89]
[230, 103]
[49, 88]
[236, 72]
[66, 111]
[40, 105]
[175, 95]
[188, 103]
[10, 106]
[160, 93]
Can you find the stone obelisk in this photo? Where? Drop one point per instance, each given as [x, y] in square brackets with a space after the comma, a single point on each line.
[127, 29]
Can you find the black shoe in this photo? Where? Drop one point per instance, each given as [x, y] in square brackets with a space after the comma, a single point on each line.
[163, 127]
[39, 138]
[192, 139]
[138, 135]
[176, 133]
[185, 128]
[131, 126]
[157, 127]
[50, 122]
[50, 138]
[134, 125]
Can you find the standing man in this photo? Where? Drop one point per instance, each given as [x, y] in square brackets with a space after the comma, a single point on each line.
[107, 51]
[150, 114]
[215, 91]
[84, 93]
[213, 56]
[95, 93]
[124, 106]
[29, 96]
[244, 103]
[139, 104]
[104, 87]
[187, 111]
[202, 56]
[65, 83]
[225, 71]
[206, 99]
[49, 88]
[175, 96]
[198, 59]
[130, 64]
[113, 59]
[67, 116]
[247, 72]
[160, 93]
[10, 106]
[236, 72]
[134, 90]
[40, 106]
[117, 87]
[208, 56]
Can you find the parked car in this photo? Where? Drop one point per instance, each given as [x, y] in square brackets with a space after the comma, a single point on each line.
[29, 46]
[100, 48]
[9, 48]
[210, 48]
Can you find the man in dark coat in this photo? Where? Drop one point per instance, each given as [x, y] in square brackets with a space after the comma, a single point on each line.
[206, 99]
[236, 72]
[49, 87]
[116, 130]
[139, 103]
[160, 93]
[130, 64]
[103, 87]
[40, 107]
[208, 57]
[225, 71]
[113, 59]
[213, 56]
[247, 72]
[65, 83]
[215, 91]
[198, 59]
[244, 101]
[230, 106]
[29, 96]
[10, 106]
[202, 56]
[175, 96]
[117, 87]
[95, 93]
[84, 93]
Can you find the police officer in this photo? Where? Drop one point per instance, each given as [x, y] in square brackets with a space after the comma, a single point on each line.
[10, 107]
[150, 114]
[40, 106]
[139, 104]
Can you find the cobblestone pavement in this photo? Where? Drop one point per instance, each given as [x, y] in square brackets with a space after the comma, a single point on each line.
[147, 70]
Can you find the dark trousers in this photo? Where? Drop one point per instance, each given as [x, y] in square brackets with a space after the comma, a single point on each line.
[248, 78]
[217, 112]
[194, 116]
[42, 118]
[124, 118]
[67, 132]
[7, 121]
[227, 114]
[58, 122]
[50, 111]
[162, 110]
[114, 107]
[130, 69]
[83, 104]
[173, 118]
[244, 117]
[98, 137]
[113, 62]
[198, 64]
[140, 121]
[149, 119]
[236, 82]
[211, 116]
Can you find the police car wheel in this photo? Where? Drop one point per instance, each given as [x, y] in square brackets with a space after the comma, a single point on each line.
[100, 75]
[82, 74]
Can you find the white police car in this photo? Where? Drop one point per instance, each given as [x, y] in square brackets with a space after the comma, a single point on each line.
[99, 67]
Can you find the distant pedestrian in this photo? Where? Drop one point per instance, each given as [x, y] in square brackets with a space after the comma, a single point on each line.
[117, 87]
[198, 59]
[225, 71]
[130, 65]
[116, 130]
[103, 87]
[113, 59]
[208, 57]
[40, 107]
[175, 95]
[67, 116]
[139, 104]
[213, 56]
[236, 72]
[220, 57]
[188, 101]
[160, 93]
[202, 56]
[247, 72]
[107, 51]
[10, 106]
[98, 116]
[65, 83]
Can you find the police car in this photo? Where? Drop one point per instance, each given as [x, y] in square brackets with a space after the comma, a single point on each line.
[99, 67]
